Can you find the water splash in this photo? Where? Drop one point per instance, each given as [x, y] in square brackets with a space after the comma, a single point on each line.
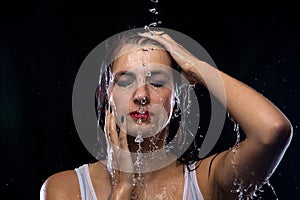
[236, 129]
[144, 101]
[142, 110]
[110, 160]
[245, 192]
[154, 11]
[153, 24]
[148, 73]
[138, 181]
[183, 98]
[273, 189]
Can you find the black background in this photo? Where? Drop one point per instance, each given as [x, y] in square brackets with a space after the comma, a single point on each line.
[44, 42]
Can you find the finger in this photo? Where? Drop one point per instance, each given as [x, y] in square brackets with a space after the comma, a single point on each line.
[158, 32]
[151, 32]
[112, 153]
[167, 37]
[114, 142]
[182, 56]
[123, 135]
[106, 124]
[178, 52]
[157, 37]
[126, 165]
[112, 128]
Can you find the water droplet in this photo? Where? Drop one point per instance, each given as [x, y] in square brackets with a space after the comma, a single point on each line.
[236, 127]
[152, 24]
[142, 110]
[139, 139]
[139, 121]
[148, 73]
[147, 28]
[144, 100]
[153, 10]
[142, 81]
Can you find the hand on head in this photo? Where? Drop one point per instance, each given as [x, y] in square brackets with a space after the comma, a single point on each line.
[182, 56]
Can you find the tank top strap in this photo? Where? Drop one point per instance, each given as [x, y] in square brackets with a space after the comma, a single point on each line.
[85, 183]
[191, 189]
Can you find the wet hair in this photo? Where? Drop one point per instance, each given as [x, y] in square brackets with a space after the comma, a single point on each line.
[114, 46]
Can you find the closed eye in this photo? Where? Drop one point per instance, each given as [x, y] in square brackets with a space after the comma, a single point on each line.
[124, 80]
[157, 83]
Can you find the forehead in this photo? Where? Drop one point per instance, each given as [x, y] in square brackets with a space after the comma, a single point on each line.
[147, 56]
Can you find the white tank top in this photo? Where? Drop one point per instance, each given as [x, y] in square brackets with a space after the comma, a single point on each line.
[191, 189]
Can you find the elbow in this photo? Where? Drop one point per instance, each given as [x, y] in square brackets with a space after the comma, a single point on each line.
[280, 134]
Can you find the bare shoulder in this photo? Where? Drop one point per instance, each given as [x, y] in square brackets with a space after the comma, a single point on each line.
[61, 186]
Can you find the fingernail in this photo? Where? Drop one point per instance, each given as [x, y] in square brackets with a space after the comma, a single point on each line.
[122, 119]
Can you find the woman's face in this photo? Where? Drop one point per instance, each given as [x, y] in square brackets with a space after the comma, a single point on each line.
[141, 91]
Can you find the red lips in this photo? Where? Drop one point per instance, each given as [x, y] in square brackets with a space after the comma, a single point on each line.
[138, 115]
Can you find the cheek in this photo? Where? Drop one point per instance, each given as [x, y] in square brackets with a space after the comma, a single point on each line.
[120, 100]
[165, 99]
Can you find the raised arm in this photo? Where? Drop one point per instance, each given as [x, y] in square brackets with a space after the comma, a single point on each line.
[268, 134]
[268, 131]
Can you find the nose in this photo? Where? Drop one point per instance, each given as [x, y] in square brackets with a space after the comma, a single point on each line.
[141, 95]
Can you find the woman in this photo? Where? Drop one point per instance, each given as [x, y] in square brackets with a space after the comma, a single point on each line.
[141, 102]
